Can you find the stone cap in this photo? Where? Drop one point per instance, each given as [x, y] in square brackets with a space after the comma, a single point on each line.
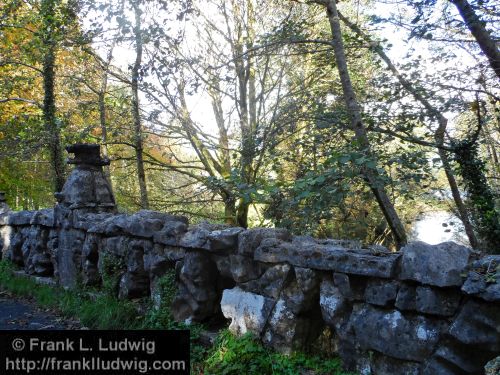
[86, 186]
[86, 153]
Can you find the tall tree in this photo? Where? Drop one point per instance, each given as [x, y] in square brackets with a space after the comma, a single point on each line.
[245, 91]
[486, 42]
[50, 30]
[136, 111]
[439, 135]
[372, 176]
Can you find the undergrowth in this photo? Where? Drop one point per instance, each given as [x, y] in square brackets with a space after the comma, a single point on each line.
[245, 355]
[101, 312]
[229, 355]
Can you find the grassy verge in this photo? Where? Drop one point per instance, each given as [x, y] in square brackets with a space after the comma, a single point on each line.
[103, 312]
[245, 355]
[229, 355]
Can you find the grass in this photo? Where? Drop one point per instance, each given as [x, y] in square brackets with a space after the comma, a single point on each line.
[103, 312]
[229, 355]
[245, 355]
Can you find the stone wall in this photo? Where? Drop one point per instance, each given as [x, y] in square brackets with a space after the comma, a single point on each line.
[424, 310]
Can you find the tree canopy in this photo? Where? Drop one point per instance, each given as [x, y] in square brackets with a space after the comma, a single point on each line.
[336, 119]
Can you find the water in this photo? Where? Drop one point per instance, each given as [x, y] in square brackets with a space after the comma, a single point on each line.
[438, 226]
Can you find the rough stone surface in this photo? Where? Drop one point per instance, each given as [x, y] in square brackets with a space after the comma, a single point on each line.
[197, 298]
[111, 226]
[248, 311]
[69, 254]
[352, 287]
[483, 280]
[244, 269]
[146, 223]
[478, 325]
[43, 217]
[326, 257]
[171, 233]
[334, 307]
[86, 220]
[224, 240]
[383, 365]
[135, 282]
[52, 250]
[307, 279]
[249, 240]
[461, 358]
[15, 253]
[438, 366]
[160, 258]
[271, 282]
[212, 237]
[381, 292]
[4, 218]
[36, 257]
[299, 297]
[406, 298]
[391, 333]
[90, 260]
[116, 245]
[435, 301]
[223, 264]
[6, 233]
[440, 265]
[21, 217]
[86, 185]
[492, 367]
[286, 331]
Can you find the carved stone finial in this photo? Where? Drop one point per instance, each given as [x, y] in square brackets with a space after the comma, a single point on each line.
[86, 186]
[86, 153]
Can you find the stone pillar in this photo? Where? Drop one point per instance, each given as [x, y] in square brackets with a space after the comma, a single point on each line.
[4, 207]
[5, 230]
[86, 192]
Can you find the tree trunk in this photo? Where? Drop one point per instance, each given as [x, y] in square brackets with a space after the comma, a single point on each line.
[480, 194]
[49, 103]
[141, 175]
[104, 129]
[455, 192]
[246, 101]
[102, 112]
[371, 175]
[482, 36]
[242, 213]
[438, 135]
[229, 210]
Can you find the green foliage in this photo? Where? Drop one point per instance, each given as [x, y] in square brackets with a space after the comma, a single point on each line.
[485, 217]
[230, 355]
[101, 312]
[244, 355]
[112, 270]
[160, 317]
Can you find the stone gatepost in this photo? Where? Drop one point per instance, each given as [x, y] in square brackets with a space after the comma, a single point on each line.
[4, 208]
[85, 192]
[5, 230]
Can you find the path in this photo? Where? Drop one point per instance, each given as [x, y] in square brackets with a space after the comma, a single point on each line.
[22, 314]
